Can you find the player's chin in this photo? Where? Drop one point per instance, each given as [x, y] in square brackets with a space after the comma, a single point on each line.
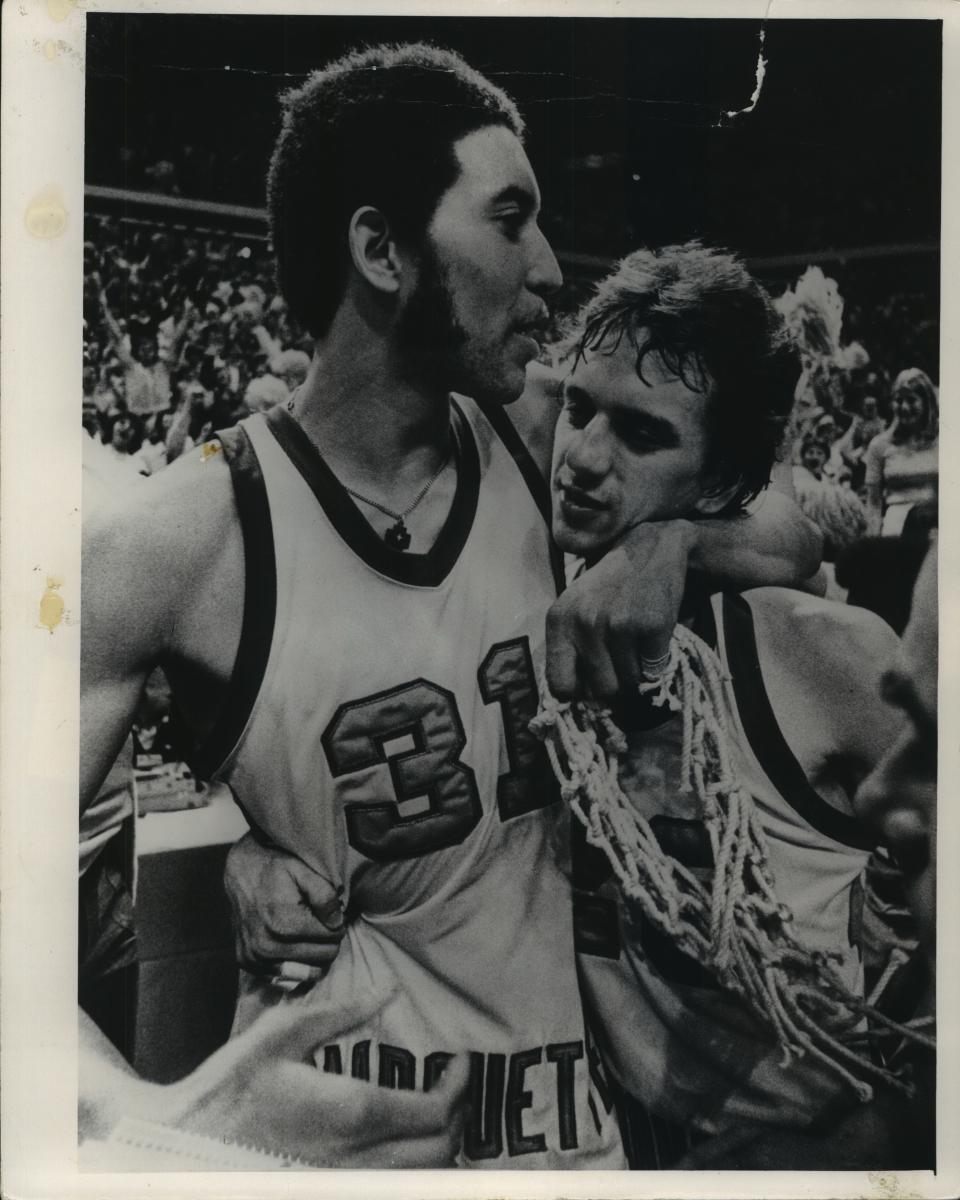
[506, 387]
[521, 350]
[581, 542]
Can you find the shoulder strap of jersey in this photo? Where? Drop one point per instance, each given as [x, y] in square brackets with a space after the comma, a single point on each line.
[766, 738]
[259, 601]
[531, 474]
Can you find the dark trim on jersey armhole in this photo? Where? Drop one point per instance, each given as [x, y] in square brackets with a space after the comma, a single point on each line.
[418, 570]
[538, 487]
[259, 601]
[704, 624]
[766, 739]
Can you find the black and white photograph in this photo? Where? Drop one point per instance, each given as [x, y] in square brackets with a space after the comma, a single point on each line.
[504, 677]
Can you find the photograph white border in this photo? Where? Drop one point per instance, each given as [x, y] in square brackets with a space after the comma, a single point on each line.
[43, 61]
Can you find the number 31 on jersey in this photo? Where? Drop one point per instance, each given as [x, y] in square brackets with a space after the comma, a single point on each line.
[416, 730]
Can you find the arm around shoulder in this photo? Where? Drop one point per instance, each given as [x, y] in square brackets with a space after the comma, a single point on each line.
[773, 544]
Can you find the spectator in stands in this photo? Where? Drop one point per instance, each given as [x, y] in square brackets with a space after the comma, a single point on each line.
[827, 432]
[901, 462]
[870, 422]
[852, 446]
[264, 392]
[819, 482]
[153, 452]
[147, 371]
[126, 440]
[109, 395]
[291, 366]
[814, 453]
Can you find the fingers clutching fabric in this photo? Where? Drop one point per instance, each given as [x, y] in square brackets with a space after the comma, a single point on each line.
[286, 916]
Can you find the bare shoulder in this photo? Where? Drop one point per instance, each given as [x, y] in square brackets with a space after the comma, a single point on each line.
[810, 629]
[175, 513]
[151, 546]
[534, 415]
[822, 664]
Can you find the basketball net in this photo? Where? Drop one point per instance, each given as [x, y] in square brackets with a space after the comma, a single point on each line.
[735, 925]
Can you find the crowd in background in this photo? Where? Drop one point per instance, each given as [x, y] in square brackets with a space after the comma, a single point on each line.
[185, 333]
[863, 440]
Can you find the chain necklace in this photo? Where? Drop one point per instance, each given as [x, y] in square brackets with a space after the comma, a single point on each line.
[398, 536]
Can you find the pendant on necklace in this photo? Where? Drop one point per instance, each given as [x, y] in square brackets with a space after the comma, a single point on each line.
[397, 536]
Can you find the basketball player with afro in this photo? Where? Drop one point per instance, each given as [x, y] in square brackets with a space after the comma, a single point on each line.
[349, 600]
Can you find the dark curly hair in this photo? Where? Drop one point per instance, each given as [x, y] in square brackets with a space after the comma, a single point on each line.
[714, 327]
[376, 127]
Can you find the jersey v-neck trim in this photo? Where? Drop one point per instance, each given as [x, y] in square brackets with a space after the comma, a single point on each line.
[418, 570]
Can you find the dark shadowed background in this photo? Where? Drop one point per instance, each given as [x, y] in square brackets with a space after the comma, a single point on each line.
[838, 163]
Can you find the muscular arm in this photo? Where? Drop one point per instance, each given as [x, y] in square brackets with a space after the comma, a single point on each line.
[125, 628]
[773, 544]
[163, 585]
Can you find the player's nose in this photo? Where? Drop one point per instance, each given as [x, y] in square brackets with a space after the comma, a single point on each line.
[544, 275]
[588, 452]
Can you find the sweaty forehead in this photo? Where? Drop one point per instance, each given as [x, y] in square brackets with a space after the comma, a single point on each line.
[613, 368]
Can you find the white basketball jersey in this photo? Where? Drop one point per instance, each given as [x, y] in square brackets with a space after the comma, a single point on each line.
[687, 1050]
[381, 734]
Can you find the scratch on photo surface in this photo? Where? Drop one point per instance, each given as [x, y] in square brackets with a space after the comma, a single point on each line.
[761, 72]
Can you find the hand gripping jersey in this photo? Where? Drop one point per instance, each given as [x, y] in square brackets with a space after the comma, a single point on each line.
[689, 1052]
[380, 733]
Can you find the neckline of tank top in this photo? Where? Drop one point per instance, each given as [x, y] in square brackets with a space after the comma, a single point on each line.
[429, 569]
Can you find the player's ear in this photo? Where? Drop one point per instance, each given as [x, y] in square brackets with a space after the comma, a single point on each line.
[374, 249]
[718, 490]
